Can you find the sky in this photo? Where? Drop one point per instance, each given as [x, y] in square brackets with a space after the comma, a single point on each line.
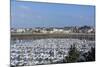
[38, 14]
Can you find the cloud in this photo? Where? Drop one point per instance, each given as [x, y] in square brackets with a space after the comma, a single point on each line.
[39, 17]
[24, 6]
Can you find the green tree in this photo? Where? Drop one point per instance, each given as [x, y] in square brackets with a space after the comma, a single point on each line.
[73, 55]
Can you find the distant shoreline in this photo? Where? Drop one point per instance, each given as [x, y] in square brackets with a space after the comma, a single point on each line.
[89, 36]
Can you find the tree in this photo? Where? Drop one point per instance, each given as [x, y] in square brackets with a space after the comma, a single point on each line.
[73, 55]
[90, 55]
[12, 66]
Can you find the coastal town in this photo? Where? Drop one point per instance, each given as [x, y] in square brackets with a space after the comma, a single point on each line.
[70, 29]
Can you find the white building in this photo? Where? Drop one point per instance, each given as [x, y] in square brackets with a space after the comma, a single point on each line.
[20, 30]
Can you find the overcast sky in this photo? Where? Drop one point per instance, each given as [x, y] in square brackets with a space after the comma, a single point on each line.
[35, 14]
